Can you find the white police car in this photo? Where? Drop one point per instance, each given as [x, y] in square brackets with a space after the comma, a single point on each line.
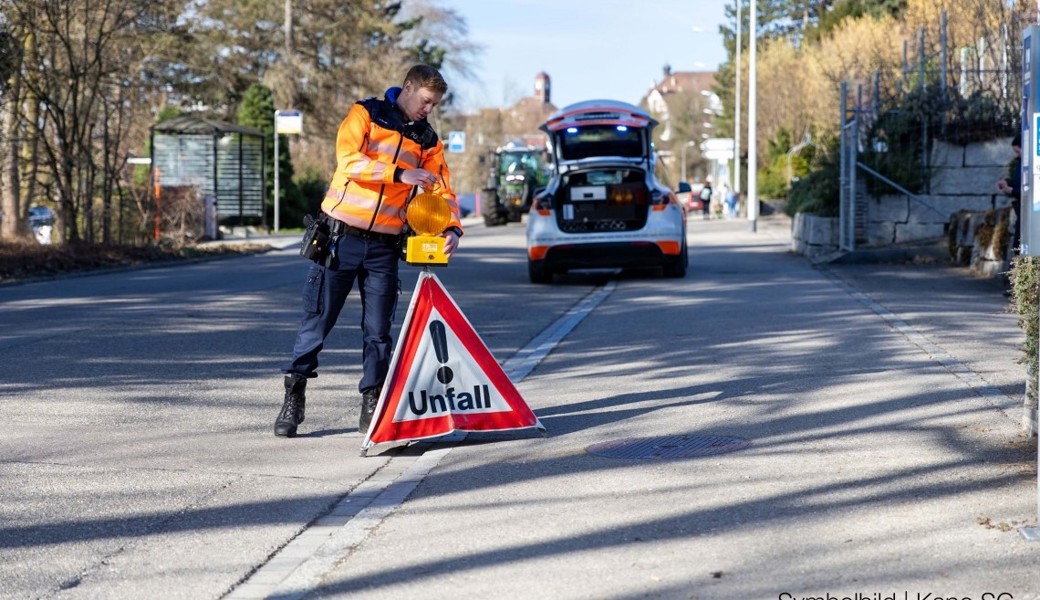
[604, 206]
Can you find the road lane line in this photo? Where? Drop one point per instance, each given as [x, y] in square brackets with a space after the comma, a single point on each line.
[300, 566]
[527, 358]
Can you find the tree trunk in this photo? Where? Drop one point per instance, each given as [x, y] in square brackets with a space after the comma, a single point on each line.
[14, 224]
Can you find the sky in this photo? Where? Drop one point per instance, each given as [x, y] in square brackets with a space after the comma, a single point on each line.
[591, 49]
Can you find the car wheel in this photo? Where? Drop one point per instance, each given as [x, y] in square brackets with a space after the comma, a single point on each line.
[676, 268]
[538, 272]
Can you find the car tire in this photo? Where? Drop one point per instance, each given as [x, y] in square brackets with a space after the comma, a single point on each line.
[537, 272]
[676, 268]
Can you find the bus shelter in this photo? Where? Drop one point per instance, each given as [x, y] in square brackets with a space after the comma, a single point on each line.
[224, 161]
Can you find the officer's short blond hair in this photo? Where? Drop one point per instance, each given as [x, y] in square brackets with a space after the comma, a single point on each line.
[425, 76]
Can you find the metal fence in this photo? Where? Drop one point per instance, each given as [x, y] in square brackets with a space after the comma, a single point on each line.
[945, 91]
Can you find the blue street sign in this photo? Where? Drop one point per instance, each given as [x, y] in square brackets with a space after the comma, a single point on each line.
[457, 141]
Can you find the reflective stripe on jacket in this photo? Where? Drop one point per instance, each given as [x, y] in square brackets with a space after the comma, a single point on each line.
[372, 140]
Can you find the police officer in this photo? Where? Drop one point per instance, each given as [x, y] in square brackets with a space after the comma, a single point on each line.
[1011, 185]
[384, 149]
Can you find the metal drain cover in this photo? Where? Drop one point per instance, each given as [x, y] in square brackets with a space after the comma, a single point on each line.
[675, 446]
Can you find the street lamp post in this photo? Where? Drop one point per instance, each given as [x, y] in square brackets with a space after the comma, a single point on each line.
[752, 171]
[736, 122]
[682, 155]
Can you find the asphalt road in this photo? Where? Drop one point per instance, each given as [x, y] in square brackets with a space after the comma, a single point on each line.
[877, 409]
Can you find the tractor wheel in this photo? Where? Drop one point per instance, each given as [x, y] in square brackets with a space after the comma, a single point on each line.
[491, 210]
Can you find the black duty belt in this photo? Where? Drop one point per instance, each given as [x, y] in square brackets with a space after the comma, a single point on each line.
[338, 227]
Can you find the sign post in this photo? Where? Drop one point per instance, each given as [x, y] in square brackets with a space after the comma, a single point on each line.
[286, 122]
[1029, 219]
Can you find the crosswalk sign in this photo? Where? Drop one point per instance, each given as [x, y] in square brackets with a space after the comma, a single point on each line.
[443, 378]
[457, 141]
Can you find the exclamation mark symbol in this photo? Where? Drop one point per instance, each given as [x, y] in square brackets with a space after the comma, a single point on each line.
[440, 346]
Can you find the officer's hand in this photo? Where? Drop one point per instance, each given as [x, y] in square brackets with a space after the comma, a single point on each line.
[451, 242]
[420, 177]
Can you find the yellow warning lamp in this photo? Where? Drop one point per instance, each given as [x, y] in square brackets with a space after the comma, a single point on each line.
[428, 215]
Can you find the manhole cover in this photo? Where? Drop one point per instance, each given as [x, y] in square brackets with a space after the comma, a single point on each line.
[675, 446]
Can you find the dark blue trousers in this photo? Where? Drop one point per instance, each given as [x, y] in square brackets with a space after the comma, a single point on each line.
[373, 264]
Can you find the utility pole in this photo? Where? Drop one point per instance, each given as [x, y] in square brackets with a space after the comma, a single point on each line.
[736, 124]
[288, 29]
[752, 170]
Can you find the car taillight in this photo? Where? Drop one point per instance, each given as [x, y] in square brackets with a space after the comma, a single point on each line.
[659, 199]
[621, 196]
[541, 204]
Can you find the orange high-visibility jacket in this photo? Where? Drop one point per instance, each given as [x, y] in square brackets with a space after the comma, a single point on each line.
[373, 141]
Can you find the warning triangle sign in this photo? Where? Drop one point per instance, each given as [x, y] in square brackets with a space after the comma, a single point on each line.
[442, 377]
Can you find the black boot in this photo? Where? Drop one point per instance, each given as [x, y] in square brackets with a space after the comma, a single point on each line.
[292, 408]
[369, 399]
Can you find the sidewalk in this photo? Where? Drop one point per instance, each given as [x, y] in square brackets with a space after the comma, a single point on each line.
[948, 311]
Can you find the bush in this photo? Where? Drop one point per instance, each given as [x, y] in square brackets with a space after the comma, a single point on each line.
[1024, 279]
[978, 118]
[895, 144]
[312, 186]
[772, 180]
[819, 191]
[898, 142]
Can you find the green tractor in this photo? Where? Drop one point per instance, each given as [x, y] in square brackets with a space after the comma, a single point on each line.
[515, 173]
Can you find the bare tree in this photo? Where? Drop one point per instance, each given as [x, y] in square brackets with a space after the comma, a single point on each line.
[89, 77]
[79, 71]
[13, 223]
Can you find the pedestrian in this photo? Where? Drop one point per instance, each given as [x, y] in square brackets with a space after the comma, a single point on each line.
[1011, 186]
[705, 197]
[385, 148]
[731, 204]
[719, 200]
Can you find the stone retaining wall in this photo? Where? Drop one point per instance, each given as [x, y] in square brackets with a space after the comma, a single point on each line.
[963, 191]
[963, 178]
[814, 236]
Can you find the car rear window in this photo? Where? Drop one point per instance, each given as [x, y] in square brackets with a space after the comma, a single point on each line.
[600, 140]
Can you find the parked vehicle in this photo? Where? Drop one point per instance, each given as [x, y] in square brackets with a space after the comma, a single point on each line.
[516, 172]
[604, 207]
[41, 220]
[684, 194]
[690, 196]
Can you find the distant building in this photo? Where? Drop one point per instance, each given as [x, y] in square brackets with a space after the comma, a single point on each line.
[519, 121]
[677, 91]
[523, 118]
[684, 104]
[541, 87]
[490, 128]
